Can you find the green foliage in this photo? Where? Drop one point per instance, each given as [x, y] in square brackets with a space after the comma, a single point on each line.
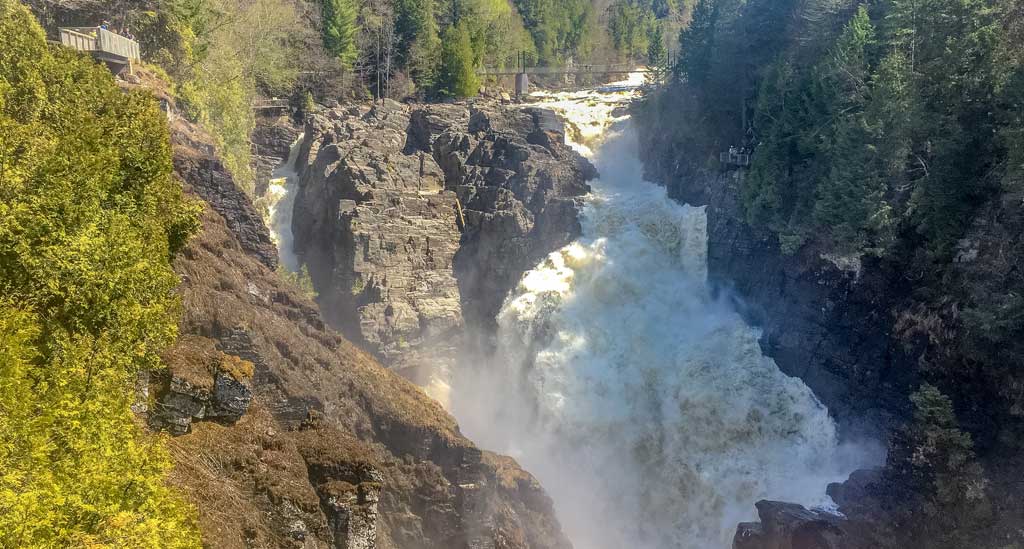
[860, 133]
[657, 53]
[418, 41]
[942, 455]
[560, 28]
[697, 42]
[457, 76]
[630, 25]
[222, 53]
[89, 219]
[340, 27]
[300, 280]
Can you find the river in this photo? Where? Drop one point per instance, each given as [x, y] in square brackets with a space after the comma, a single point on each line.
[641, 402]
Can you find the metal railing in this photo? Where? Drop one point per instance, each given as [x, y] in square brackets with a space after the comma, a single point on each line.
[572, 69]
[734, 158]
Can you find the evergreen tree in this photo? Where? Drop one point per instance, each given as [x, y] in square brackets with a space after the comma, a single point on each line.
[419, 45]
[852, 191]
[939, 460]
[457, 75]
[90, 218]
[697, 43]
[629, 25]
[560, 28]
[657, 54]
[340, 28]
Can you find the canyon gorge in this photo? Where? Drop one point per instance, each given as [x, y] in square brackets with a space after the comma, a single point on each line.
[307, 274]
[513, 262]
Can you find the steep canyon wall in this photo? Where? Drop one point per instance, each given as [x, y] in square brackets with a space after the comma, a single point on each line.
[415, 221]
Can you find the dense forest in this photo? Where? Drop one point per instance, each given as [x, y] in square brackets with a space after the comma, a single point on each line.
[885, 134]
[221, 55]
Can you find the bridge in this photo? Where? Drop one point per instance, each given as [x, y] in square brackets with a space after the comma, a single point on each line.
[118, 52]
[522, 72]
[621, 68]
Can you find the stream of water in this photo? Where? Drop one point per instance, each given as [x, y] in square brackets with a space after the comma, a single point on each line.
[280, 203]
[641, 402]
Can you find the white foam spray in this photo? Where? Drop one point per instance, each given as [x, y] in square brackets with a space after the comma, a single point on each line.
[279, 204]
[642, 403]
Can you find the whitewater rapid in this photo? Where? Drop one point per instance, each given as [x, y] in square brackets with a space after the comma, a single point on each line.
[279, 203]
[641, 402]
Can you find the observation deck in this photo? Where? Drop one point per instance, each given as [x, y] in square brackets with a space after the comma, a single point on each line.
[118, 52]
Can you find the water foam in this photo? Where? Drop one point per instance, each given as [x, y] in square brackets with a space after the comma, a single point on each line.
[280, 203]
[642, 403]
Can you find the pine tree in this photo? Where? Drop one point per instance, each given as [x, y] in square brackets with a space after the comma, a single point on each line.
[657, 54]
[340, 28]
[852, 190]
[697, 43]
[419, 46]
[457, 77]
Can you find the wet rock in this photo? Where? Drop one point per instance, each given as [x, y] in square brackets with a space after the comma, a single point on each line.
[790, 526]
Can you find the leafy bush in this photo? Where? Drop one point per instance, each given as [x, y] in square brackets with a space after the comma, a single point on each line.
[89, 219]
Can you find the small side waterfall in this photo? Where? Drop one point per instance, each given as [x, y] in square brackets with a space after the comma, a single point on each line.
[279, 203]
[642, 403]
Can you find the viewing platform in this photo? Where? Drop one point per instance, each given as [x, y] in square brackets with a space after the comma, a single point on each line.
[118, 52]
[734, 158]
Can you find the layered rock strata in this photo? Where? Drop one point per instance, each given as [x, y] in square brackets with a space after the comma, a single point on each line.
[416, 220]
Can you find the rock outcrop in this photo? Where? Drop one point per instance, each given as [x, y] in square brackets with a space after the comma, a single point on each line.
[201, 382]
[333, 450]
[196, 164]
[414, 221]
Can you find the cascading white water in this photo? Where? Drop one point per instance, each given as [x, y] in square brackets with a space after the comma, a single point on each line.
[279, 203]
[642, 403]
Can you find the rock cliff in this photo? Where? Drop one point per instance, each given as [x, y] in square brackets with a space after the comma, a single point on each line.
[415, 221]
[330, 449]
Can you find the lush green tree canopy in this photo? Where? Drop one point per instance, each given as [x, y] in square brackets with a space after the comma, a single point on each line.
[89, 219]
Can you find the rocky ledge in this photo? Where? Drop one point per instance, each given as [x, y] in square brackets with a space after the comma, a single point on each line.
[415, 221]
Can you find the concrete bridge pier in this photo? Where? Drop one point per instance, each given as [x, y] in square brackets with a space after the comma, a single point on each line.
[522, 84]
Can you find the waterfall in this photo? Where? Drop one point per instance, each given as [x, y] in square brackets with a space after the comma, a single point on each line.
[279, 203]
[641, 402]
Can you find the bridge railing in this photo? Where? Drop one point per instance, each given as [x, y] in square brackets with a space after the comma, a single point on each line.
[574, 69]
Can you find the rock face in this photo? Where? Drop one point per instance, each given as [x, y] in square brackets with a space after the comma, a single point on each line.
[201, 383]
[789, 526]
[414, 220]
[333, 450]
[196, 164]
